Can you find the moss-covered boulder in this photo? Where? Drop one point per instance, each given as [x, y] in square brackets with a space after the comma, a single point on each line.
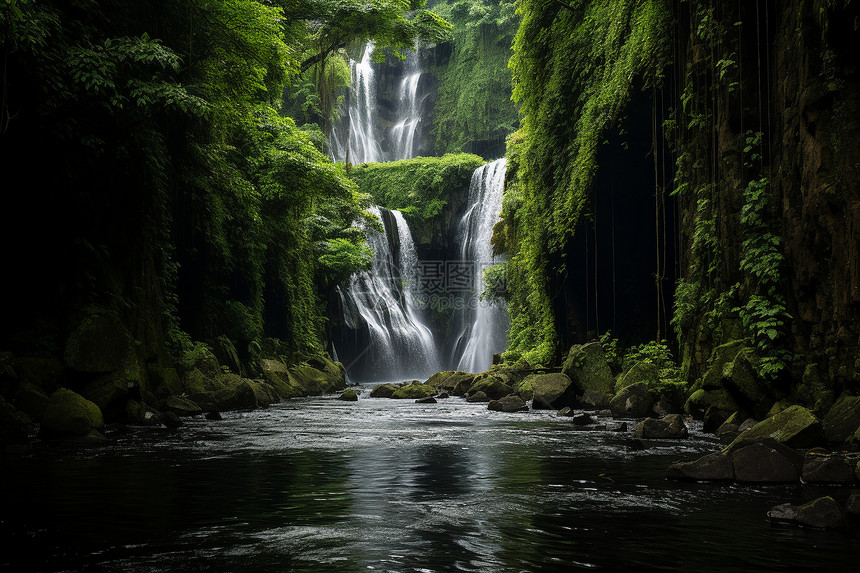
[69, 414]
[278, 375]
[632, 402]
[201, 358]
[843, 419]
[824, 513]
[236, 393]
[512, 403]
[181, 406]
[383, 391]
[349, 395]
[713, 467]
[100, 343]
[314, 381]
[719, 403]
[493, 386]
[669, 427]
[646, 372]
[796, 427]
[227, 355]
[478, 397]
[414, 391]
[825, 468]
[449, 380]
[741, 378]
[595, 400]
[721, 355]
[587, 368]
[111, 391]
[551, 391]
[766, 461]
[138, 414]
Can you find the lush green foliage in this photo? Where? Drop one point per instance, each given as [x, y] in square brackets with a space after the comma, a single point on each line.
[418, 187]
[177, 193]
[474, 98]
[575, 65]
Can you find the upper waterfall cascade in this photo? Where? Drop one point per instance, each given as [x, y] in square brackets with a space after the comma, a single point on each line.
[363, 136]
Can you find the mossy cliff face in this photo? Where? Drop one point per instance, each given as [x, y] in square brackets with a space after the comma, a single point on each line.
[766, 147]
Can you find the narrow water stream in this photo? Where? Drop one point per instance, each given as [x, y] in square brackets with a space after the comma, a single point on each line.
[383, 485]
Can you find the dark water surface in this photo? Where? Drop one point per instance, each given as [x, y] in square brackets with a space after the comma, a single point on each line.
[389, 485]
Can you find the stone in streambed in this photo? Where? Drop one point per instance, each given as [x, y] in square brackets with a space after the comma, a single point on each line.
[587, 368]
[349, 395]
[796, 427]
[493, 386]
[842, 420]
[670, 427]
[819, 467]
[766, 461]
[551, 391]
[823, 513]
[712, 467]
[69, 414]
[511, 403]
[582, 419]
[383, 391]
[427, 400]
[478, 397]
[633, 402]
[413, 391]
[180, 406]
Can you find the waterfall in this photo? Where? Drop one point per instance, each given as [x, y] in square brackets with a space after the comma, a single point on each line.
[380, 310]
[408, 111]
[360, 136]
[480, 327]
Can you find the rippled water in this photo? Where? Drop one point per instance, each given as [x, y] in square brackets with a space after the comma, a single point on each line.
[386, 485]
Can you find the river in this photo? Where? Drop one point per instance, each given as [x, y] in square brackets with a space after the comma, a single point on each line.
[385, 485]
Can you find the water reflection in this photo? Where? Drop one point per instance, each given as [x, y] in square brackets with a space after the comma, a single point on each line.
[318, 485]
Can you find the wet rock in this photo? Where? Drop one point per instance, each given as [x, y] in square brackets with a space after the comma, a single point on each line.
[138, 414]
[827, 468]
[443, 396]
[69, 414]
[582, 420]
[278, 376]
[587, 368]
[778, 407]
[383, 391]
[712, 467]
[603, 413]
[633, 402]
[236, 394]
[448, 380]
[511, 403]
[842, 420]
[349, 395]
[566, 412]
[741, 379]
[795, 427]
[180, 406]
[427, 400]
[766, 461]
[214, 415]
[670, 427]
[823, 512]
[619, 427]
[414, 391]
[312, 381]
[727, 433]
[712, 405]
[551, 391]
[491, 385]
[171, 420]
[478, 397]
[595, 399]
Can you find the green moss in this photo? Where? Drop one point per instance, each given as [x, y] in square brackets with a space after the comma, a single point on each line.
[418, 187]
[414, 391]
[70, 414]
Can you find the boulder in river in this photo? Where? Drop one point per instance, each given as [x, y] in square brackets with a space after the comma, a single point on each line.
[180, 406]
[551, 391]
[712, 467]
[842, 420]
[823, 512]
[646, 372]
[478, 397]
[70, 414]
[595, 400]
[493, 386]
[427, 400]
[413, 391]
[796, 427]
[819, 467]
[449, 380]
[632, 402]
[383, 391]
[766, 461]
[670, 427]
[349, 395]
[510, 403]
[587, 368]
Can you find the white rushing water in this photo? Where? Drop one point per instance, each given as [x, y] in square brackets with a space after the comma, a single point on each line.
[362, 137]
[397, 343]
[480, 326]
